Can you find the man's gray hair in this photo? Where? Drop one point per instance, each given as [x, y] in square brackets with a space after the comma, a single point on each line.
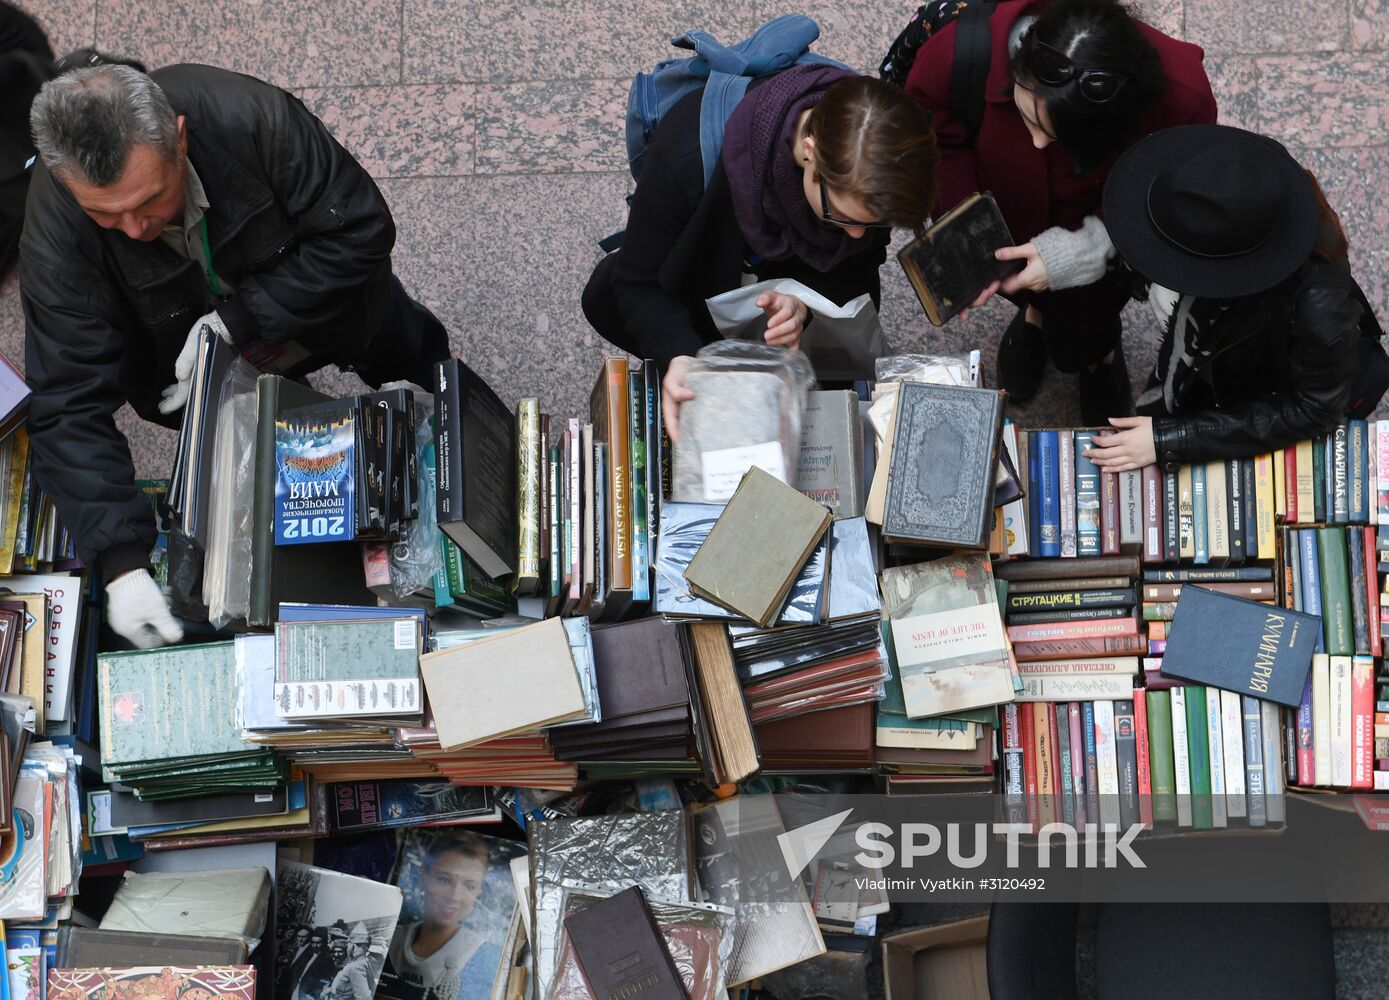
[86, 122]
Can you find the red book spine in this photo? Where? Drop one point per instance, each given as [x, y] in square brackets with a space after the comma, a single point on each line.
[1084, 629]
[1109, 513]
[1372, 585]
[1029, 763]
[1362, 714]
[1152, 514]
[1055, 744]
[1145, 774]
[1290, 483]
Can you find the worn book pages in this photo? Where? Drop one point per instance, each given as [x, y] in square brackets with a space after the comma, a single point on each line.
[757, 547]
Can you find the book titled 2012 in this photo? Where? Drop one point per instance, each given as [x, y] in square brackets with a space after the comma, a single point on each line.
[315, 474]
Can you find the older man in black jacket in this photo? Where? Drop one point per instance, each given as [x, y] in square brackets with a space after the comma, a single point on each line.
[164, 202]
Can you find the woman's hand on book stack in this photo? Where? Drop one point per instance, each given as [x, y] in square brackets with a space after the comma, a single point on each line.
[673, 393]
[1128, 447]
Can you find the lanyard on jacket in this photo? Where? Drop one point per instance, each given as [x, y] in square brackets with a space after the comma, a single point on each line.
[214, 283]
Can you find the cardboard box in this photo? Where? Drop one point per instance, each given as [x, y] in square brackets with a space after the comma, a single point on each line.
[931, 963]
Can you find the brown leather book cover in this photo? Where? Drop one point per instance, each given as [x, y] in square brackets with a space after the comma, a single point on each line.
[1067, 569]
[640, 668]
[621, 951]
[840, 734]
[976, 761]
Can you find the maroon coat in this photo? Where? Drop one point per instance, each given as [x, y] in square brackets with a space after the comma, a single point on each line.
[1037, 188]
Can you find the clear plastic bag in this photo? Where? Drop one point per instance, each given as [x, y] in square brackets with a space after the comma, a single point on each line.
[227, 566]
[699, 937]
[747, 407]
[944, 369]
[415, 558]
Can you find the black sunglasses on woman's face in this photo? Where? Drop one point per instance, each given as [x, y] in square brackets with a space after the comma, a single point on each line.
[827, 216]
[1054, 68]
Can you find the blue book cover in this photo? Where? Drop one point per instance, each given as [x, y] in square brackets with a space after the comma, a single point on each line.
[1034, 494]
[1358, 458]
[315, 475]
[1239, 645]
[1087, 497]
[1092, 761]
[1200, 522]
[1050, 470]
[1309, 570]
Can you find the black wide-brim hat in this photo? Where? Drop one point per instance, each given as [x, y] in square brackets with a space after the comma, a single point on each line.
[1210, 211]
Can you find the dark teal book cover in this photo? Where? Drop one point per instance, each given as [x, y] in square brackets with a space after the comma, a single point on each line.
[1239, 645]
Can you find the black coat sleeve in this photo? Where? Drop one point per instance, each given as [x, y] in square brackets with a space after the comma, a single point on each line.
[672, 183]
[338, 269]
[1323, 349]
[73, 360]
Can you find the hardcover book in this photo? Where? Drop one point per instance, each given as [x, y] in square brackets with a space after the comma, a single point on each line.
[316, 474]
[611, 416]
[528, 497]
[1228, 642]
[380, 805]
[1068, 465]
[945, 449]
[828, 470]
[475, 483]
[953, 261]
[227, 982]
[948, 635]
[335, 669]
[621, 951]
[757, 547]
[1048, 489]
[1087, 492]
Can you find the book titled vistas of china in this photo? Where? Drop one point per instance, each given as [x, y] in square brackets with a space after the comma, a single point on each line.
[1239, 645]
[947, 634]
[316, 456]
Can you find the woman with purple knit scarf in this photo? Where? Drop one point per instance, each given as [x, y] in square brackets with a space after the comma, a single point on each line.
[818, 165]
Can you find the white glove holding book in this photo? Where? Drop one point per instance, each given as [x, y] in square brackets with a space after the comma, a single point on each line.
[177, 394]
[137, 610]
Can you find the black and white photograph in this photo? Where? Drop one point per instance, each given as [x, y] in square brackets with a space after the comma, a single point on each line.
[332, 933]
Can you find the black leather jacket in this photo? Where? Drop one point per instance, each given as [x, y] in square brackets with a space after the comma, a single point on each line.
[296, 227]
[1281, 369]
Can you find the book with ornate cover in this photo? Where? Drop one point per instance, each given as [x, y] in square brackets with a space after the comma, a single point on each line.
[941, 483]
[947, 634]
[153, 982]
[333, 669]
[953, 261]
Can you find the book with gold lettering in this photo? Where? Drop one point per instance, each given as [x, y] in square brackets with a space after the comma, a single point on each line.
[1238, 645]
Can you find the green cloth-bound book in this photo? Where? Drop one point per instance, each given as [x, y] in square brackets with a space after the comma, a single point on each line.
[1198, 757]
[1160, 758]
[177, 703]
[1336, 618]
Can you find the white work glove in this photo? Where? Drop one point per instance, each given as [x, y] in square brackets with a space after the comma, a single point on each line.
[136, 609]
[177, 394]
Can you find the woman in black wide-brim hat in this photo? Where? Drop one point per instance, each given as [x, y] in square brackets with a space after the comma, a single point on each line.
[1267, 339]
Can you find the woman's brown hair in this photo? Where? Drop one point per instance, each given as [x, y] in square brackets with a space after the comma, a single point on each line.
[874, 143]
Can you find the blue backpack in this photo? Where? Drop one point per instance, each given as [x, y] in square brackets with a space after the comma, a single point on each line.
[723, 72]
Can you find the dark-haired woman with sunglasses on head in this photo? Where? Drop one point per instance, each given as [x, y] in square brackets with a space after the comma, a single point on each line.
[818, 165]
[1071, 85]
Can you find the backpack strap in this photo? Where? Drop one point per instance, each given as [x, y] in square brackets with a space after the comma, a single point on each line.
[970, 71]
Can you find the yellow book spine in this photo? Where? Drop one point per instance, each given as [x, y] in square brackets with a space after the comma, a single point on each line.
[1265, 508]
[1306, 484]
